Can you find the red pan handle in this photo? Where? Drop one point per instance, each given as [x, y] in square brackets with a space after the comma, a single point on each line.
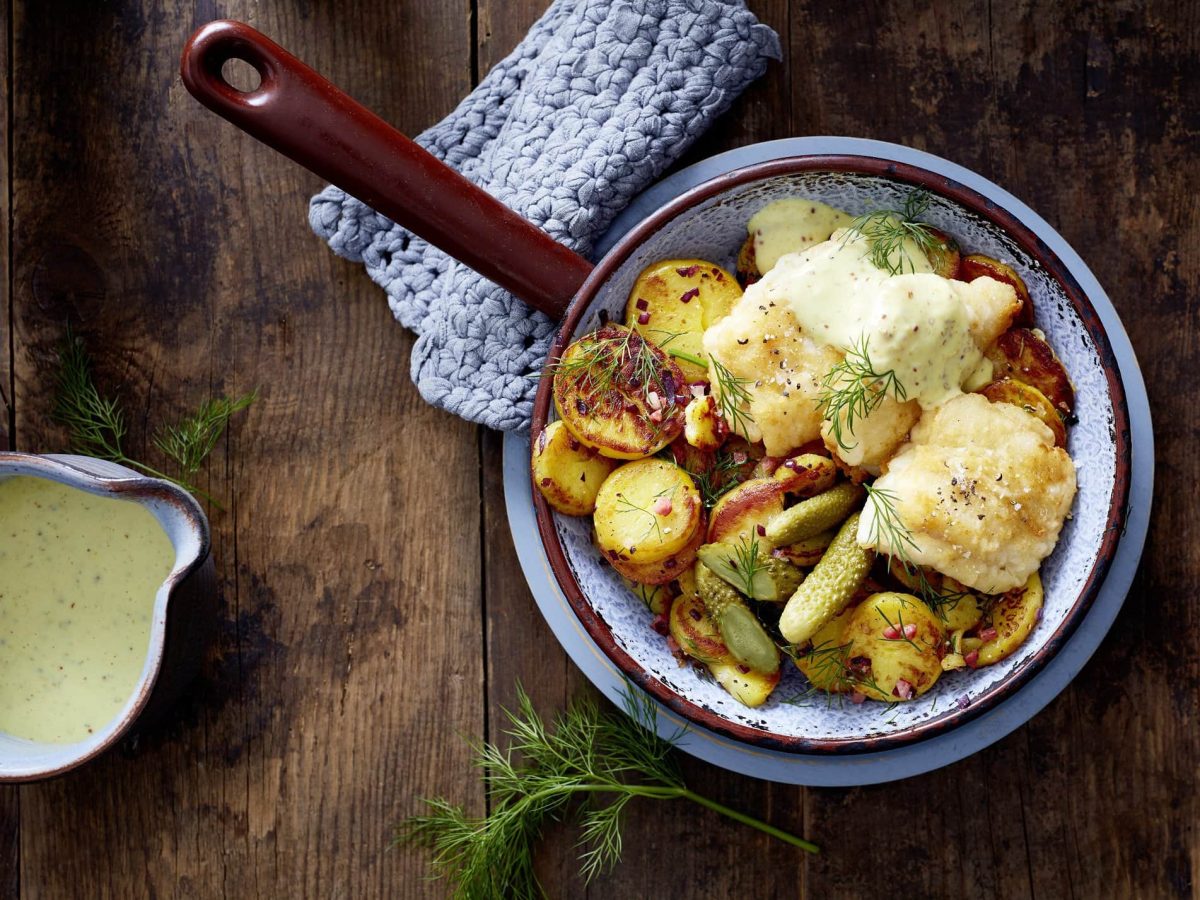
[303, 116]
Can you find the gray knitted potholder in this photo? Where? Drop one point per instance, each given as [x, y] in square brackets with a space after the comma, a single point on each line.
[597, 100]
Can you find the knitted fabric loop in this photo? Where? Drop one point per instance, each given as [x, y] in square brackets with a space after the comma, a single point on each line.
[597, 100]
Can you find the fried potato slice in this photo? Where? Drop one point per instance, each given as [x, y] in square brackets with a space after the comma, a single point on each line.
[674, 300]
[617, 392]
[646, 512]
[976, 265]
[894, 641]
[1023, 355]
[568, 473]
[1013, 617]
[1027, 397]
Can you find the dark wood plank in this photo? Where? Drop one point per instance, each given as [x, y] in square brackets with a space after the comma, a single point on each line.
[6, 298]
[10, 802]
[180, 250]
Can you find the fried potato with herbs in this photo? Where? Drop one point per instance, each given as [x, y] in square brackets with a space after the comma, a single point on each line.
[943, 254]
[976, 265]
[703, 428]
[1011, 618]
[1027, 397]
[824, 663]
[747, 686]
[568, 473]
[646, 512]
[674, 301]
[894, 647]
[618, 393]
[1022, 354]
[665, 570]
[743, 513]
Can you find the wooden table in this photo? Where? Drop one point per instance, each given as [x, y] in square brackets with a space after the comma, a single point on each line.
[372, 609]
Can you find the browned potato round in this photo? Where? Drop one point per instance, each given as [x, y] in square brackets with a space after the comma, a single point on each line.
[1024, 355]
[894, 644]
[1013, 617]
[698, 638]
[695, 632]
[737, 515]
[806, 474]
[824, 663]
[567, 473]
[945, 256]
[976, 265]
[673, 301]
[618, 393]
[1030, 399]
[747, 265]
[662, 571]
[646, 512]
[745, 685]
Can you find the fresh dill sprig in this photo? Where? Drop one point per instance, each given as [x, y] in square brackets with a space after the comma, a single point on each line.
[190, 441]
[887, 528]
[618, 355]
[887, 231]
[747, 563]
[603, 760]
[732, 398]
[96, 423]
[853, 389]
[715, 481]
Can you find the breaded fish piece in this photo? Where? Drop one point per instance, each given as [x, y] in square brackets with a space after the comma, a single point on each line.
[761, 342]
[982, 490]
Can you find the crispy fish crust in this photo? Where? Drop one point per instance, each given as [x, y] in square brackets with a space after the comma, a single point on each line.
[983, 490]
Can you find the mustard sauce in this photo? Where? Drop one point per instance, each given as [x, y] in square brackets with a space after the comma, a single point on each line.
[78, 579]
[914, 323]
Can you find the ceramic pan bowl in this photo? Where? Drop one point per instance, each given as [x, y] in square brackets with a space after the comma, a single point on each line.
[709, 222]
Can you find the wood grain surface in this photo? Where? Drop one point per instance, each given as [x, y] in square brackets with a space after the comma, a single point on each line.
[373, 612]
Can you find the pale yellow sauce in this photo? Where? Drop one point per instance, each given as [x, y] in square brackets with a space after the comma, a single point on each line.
[78, 578]
[789, 226]
[915, 323]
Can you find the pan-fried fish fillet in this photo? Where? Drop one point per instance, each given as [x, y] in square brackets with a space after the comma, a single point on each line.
[983, 491]
[762, 344]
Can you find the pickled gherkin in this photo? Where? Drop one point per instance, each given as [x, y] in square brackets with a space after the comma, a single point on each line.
[743, 634]
[810, 517]
[828, 587]
[768, 578]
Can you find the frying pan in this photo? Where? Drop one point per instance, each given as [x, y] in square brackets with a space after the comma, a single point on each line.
[305, 117]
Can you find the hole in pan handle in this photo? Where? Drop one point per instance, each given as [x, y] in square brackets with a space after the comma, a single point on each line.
[305, 117]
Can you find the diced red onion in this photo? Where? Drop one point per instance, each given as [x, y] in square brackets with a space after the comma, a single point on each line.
[892, 633]
[643, 318]
[662, 506]
[910, 631]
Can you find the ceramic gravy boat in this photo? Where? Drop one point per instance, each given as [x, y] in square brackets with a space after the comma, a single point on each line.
[183, 612]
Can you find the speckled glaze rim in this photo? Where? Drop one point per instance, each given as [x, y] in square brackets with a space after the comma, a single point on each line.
[134, 487]
[982, 206]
